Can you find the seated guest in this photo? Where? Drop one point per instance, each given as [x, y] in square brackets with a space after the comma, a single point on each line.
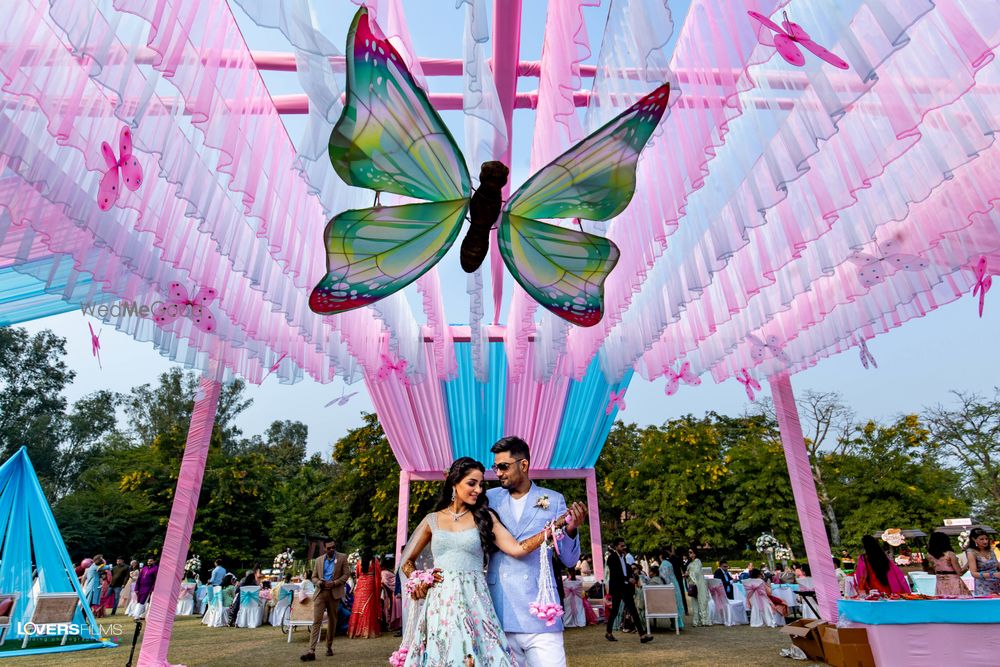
[805, 581]
[786, 576]
[745, 574]
[944, 564]
[727, 579]
[249, 580]
[228, 589]
[875, 572]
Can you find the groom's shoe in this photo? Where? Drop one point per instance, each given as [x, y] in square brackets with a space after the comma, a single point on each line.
[645, 639]
[610, 637]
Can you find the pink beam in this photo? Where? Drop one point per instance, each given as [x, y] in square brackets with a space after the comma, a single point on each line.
[806, 499]
[163, 604]
[594, 512]
[403, 513]
[539, 473]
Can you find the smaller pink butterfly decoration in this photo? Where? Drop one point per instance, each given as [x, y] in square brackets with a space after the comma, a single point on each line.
[95, 344]
[873, 269]
[179, 305]
[984, 281]
[788, 36]
[342, 399]
[674, 379]
[866, 356]
[131, 172]
[745, 379]
[274, 366]
[389, 367]
[761, 349]
[616, 398]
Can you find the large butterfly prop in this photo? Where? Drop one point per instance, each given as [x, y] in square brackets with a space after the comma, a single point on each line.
[873, 268]
[390, 139]
[788, 36]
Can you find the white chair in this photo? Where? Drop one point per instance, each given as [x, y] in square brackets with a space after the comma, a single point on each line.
[282, 604]
[251, 611]
[721, 609]
[762, 611]
[661, 602]
[185, 600]
[216, 616]
[300, 614]
[53, 608]
[805, 584]
[575, 616]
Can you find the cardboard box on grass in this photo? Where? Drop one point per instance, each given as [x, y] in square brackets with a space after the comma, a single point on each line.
[805, 634]
[846, 647]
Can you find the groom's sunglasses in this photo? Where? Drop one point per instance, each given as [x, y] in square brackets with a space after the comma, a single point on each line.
[503, 467]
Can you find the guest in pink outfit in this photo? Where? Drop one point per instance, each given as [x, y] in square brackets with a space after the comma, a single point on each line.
[876, 572]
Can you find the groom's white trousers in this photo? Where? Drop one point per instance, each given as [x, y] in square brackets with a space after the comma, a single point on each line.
[541, 649]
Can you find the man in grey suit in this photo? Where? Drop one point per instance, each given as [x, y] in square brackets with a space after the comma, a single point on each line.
[525, 508]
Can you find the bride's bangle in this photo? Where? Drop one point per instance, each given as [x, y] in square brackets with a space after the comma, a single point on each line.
[408, 568]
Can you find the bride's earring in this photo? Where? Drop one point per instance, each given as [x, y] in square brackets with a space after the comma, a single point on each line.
[453, 495]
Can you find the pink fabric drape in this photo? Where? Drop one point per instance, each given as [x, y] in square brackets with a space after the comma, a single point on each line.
[534, 411]
[593, 509]
[163, 603]
[806, 501]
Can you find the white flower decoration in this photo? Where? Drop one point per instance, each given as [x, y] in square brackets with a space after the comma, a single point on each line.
[543, 503]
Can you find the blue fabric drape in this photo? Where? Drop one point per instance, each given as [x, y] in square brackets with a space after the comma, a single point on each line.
[580, 440]
[476, 409]
[44, 287]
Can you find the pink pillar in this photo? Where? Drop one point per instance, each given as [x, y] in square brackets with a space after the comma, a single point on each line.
[596, 549]
[806, 500]
[163, 603]
[403, 513]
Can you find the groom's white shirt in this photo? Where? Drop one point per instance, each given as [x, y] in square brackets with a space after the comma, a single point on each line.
[513, 581]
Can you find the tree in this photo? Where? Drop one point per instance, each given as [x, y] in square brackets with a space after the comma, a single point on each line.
[92, 419]
[33, 376]
[970, 436]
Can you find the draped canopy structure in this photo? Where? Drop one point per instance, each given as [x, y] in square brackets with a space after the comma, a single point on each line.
[782, 214]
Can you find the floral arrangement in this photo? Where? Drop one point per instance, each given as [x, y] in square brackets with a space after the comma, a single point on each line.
[283, 560]
[547, 612]
[783, 553]
[419, 577]
[893, 536]
[963, 539]
[767, 543]
[353, 559]
[193, 564]
[398, 657]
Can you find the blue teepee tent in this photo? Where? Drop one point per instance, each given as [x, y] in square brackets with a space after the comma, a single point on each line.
[33, 561]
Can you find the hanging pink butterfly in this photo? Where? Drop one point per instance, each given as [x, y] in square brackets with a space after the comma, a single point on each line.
[787, 36]
[745, 379]
[760, 350]
[984, 281]
[874, 269]
[274, 366]
[866, 356]
[342, 399]
[131, 172]
[179, 305]
[389, 367]
[95, 344]
[673, 379]
[616, 398]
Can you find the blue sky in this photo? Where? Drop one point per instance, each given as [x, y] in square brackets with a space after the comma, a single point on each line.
[918, 364]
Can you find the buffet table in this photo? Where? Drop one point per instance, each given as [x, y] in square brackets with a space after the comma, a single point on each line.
[963, 631]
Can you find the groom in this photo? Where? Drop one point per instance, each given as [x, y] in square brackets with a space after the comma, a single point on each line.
[525, 508]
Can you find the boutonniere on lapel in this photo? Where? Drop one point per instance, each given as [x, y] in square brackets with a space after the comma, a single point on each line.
[542, 503]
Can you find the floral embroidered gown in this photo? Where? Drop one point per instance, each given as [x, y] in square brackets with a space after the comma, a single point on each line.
[456, 619]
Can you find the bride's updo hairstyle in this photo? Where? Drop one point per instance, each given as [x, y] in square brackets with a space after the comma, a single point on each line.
[458, 471]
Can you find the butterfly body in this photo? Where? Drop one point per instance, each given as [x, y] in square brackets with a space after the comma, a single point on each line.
[484, 210]
[391, 139]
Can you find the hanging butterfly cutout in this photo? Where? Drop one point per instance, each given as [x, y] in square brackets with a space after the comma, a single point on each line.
[674, 379]
[615, 399]
[787, 38]
[342, 399]
[873, 269]
[274, 366]
[131, 172]
[760, 350]
[95, 344]
[750, 384]
[389, 367]
[390, 139]
[179, 305]
[984, 281]
[866, 356]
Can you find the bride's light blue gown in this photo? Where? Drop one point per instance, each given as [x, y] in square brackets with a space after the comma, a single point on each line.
[457, 618]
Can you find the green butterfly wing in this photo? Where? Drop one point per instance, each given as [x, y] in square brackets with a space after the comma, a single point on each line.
[373, 252]
[565, 269]
[389, 138]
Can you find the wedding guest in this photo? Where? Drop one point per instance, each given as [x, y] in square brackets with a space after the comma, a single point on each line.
[697, 589]
[390, 603]
[621, 584]
[366, 610]
[575, 615]
[249, 580]
[875, 571]
[745, 574]
[944, 564]
[228, 590]
[841, 575]
[128, 593]
[641, 580]
[330, 573]
[218, 574]
[144, 585]
[586, 570]
[119, 578]
[722, 572]
[107, 593]
[669, 577]
[678, 564]
[776, 603]
[983, 563]
[92, 584]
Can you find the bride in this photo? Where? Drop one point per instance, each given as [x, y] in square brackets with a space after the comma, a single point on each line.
[456, 624]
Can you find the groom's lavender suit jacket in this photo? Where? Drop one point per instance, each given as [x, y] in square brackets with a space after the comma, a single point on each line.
[513, 581]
